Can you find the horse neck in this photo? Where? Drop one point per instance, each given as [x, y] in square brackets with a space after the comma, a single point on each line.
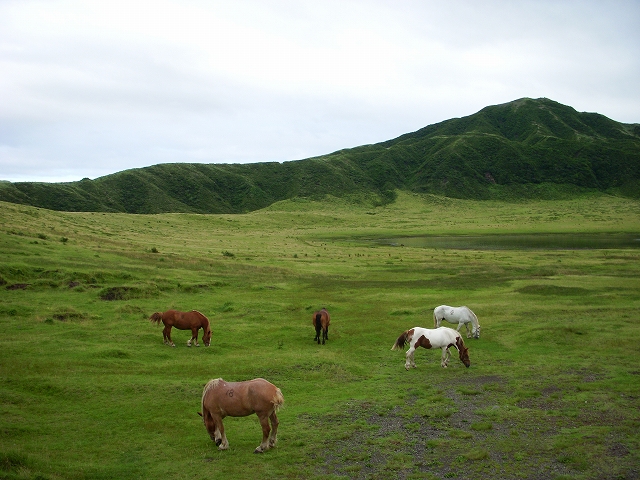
[474, 320]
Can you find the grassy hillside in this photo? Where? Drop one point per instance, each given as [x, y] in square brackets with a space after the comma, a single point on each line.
[523, 149]
[90, 391]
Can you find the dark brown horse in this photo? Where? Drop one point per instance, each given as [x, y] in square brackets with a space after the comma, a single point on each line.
[192, 320]
[321, 321]
[239, 399]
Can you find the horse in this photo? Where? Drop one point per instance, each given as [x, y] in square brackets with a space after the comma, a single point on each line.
[239, 399]
[192, 320]
[321, 321]
[460, 315]
[442, 337]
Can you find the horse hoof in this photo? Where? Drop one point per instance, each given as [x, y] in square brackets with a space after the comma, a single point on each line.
[218, 442]
[257, 450]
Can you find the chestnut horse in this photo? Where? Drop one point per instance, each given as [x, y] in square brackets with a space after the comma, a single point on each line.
[441, 337]
[321, 321]
[239, 399]
[192, 320]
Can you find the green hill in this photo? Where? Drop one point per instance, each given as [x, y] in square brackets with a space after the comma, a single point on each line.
[519, 149]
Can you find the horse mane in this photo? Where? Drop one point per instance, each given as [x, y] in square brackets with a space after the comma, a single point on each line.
[459, 343]
[205, 320]
[278, 400]
[211, 384]
[474, 318]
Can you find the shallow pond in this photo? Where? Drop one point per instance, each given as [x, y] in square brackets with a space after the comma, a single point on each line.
[556, 241]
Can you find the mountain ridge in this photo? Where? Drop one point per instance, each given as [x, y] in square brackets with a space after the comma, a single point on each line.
[516, 149]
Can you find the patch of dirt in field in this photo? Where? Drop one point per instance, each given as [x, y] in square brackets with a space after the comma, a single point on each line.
[480, 437]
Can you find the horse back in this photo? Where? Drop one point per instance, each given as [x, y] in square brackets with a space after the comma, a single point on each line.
[438, 337]
[321, 318]
[185, 320]
[239, 399]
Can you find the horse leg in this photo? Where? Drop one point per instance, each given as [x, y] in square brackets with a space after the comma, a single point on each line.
[410, 359]
[274, 429]
[194, 336]
[446, 354]
[264, 422]
[167, 336]
[221, 437]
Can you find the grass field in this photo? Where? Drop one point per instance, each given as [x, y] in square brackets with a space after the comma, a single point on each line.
[89, 390]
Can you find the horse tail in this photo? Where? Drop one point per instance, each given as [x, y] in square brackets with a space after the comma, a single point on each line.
[401, 341]
[156, 317]
[318, 323]
[278, 400]
[435, 318]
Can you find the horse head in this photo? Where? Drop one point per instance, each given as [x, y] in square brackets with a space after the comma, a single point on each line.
[463, 352]
[464, 356]
[476, 332]
[206, 338]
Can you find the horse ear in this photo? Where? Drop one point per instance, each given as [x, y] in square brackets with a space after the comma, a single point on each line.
[199, 413]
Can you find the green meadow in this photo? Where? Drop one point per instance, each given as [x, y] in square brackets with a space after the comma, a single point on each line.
[89, 391]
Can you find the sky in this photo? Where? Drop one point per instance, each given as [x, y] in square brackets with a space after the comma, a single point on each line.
[90, 88]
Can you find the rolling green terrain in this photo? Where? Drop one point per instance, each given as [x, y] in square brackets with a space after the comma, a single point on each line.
[89, 390]
[522, 149]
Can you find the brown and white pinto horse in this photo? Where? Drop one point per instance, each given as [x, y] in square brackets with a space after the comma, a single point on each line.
[192, 320]
[321, 321]
[442, 337]
[239, 399]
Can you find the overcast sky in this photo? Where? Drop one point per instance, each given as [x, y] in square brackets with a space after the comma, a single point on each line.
[89, 88]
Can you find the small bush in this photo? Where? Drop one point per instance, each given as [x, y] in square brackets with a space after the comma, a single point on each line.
[481, 426]
[476, 454]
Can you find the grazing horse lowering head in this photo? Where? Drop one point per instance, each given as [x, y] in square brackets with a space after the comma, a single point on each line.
[441, 337]
[192, 320]
[239, 399]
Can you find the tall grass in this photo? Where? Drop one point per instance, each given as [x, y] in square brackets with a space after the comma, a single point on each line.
[89, 390]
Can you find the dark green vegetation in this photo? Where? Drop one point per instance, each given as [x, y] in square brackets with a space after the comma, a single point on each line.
[89, 391]
[523, 149]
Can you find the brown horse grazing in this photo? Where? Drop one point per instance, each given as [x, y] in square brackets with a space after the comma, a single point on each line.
[239, 399]
[321, 321]
[192, 320]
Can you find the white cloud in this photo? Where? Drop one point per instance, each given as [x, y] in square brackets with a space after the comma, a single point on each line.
[91, 88]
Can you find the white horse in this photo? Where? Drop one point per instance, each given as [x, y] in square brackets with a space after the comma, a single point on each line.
[443, 337]
[459, 315]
